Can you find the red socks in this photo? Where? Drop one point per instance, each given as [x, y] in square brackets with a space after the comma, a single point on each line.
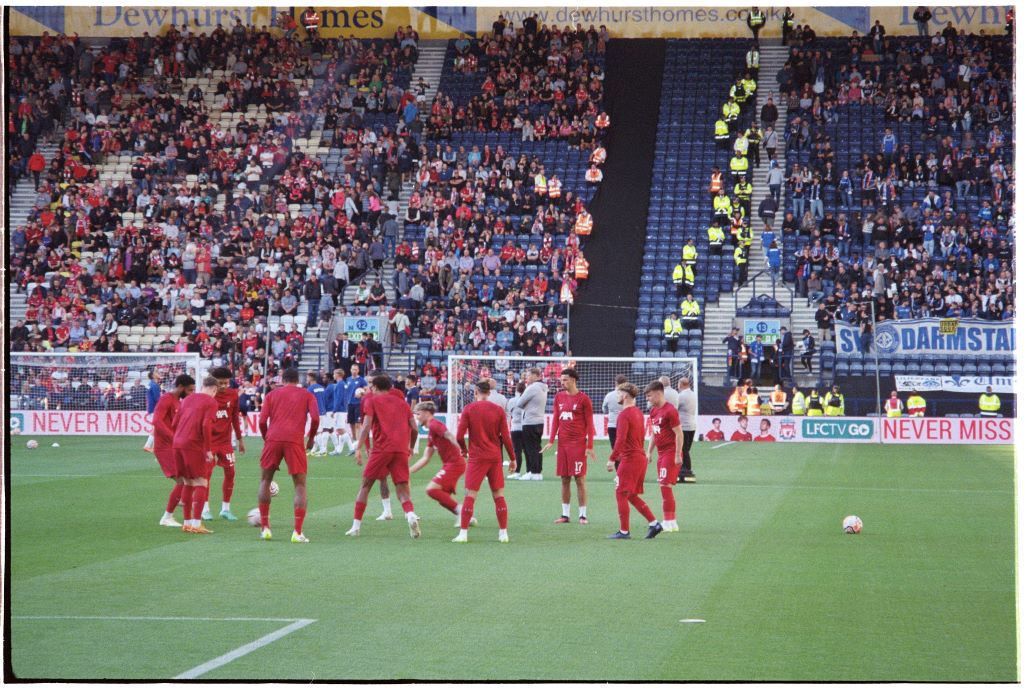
[187, 492]
[229, 483]
[407, 506]
[300, 516]
[442, 498]
[641, 506]
[622, 502]
[501, 509]
[198, 499]
[172, 501]
[668, 503]
[265, 515]
[360, 510]
[467, 511]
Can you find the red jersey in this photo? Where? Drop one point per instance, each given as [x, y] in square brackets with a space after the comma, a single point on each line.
[488, 432]
[664, 421]
[390, 426]
[193, 426]
[286, 407]
[228, 418]
[574, 417]
[766, 437]
[629, 436]
[450, 453]
[740, 435]
[715, 435]
[163, 419]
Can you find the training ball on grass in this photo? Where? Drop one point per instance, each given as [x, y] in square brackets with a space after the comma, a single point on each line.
[852, 525]
[254, 517]
[32, 444]
[55, 445]
[274, 489]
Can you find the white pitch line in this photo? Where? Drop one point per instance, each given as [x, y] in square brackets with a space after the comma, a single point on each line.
[721, 445]
[112, 618]
[245, 649]
[15, 476]
[957, 490]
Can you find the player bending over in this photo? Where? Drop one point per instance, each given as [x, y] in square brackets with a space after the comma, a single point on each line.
[390, 419]
[193, 441]
[629, 452]
[488, 433]
[667, 440]
[229, 417]
[443, 485]
[282, 425]
[572, 423]
[163, 442]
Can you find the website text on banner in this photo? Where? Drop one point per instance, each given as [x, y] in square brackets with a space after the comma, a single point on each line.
[924, 337]
[955, 384]
[714, 428]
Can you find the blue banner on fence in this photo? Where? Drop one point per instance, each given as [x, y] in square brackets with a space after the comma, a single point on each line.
[922, 337]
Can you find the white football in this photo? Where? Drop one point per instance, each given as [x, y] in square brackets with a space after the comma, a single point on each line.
[32, 444]
[852, 525]
[360, 391]
[274, 489]
[254, 517]
[55, 445]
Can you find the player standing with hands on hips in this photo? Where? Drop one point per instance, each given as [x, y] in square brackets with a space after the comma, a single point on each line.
[667, 440]
[572, 424]
[229, 417]
[282, 426]
[632, 465]
[487, 426]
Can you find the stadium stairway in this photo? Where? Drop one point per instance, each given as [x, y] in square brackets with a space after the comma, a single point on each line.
[718, 318]
[20, 205]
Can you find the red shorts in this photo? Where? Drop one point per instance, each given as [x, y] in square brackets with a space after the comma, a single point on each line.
[668, 470]
[476, 472]
[190, 464]
[293, 454]
[630, 475]
[224, 456]
[384, 463]
[165, 457]
[572, 460]
[448, 476]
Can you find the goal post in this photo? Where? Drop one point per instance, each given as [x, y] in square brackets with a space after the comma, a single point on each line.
[596, 376]
[88, 385]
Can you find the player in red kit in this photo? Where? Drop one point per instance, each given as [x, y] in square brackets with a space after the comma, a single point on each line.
[163, 442]
[629, 452]
[572, 423]
[667, 440]
[283, 421]
[389, 417]
[193, 439]
[453, 465]
[487, 426]
[229, 417]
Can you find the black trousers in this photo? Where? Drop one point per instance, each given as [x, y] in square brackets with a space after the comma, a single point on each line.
[611, 436]
[531, 447]
[517, 447]
[687, 468]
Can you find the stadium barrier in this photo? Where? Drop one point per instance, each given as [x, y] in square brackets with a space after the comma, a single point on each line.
[781, 428]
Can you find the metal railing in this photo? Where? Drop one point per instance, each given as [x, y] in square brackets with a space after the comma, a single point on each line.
[752, 282]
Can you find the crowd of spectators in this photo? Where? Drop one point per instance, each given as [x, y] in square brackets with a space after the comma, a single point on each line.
[922, 223]
[217, 227]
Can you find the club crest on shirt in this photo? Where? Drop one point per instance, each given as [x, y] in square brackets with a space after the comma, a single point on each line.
[565, 415]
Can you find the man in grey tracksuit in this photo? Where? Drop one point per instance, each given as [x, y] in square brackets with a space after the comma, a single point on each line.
[611, 408]
[533, 402]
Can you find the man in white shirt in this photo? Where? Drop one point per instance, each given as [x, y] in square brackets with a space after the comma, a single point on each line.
[688, 421]
[671, 395]
[611, 407]
[495, 396]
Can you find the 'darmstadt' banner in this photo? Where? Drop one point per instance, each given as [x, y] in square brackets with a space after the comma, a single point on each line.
[713, 428]
[440, 22]
[922, 337]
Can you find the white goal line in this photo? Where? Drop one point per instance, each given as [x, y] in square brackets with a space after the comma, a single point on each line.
[293, 625]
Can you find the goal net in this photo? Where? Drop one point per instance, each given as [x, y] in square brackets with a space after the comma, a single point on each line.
[596, 376]
[95, 382]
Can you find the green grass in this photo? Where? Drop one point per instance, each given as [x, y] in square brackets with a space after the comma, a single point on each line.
[926, 592]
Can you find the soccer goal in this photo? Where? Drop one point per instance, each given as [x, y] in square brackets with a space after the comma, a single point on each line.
[92, 382]
[596, 376]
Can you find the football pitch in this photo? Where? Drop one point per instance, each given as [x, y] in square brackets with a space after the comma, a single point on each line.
[926, 592]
